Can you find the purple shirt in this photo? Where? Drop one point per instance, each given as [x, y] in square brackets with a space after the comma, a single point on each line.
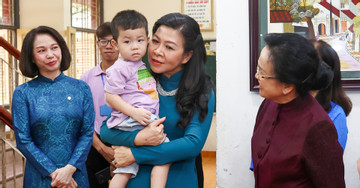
[135, 85]
[93, 78]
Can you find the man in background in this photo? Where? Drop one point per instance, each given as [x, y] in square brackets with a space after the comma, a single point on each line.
[100, 155]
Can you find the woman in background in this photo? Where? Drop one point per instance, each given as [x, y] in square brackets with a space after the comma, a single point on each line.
[333, 98]
[53, 114]
[294, 142]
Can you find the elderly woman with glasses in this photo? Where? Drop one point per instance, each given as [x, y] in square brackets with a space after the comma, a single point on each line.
[294, 142]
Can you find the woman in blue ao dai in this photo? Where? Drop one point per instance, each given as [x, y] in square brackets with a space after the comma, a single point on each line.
[177, 58]
[53, 114]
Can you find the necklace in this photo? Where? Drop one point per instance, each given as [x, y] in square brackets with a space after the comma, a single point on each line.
[164, 93]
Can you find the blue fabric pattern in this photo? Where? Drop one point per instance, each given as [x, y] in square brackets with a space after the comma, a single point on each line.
[53, 124]
[181, 151]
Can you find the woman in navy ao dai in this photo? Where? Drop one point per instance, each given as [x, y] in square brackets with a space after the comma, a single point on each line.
[53, 114]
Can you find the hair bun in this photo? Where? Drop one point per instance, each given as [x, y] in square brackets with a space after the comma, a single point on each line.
[323, 77]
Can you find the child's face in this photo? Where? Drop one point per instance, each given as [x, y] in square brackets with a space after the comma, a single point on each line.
[132, 43]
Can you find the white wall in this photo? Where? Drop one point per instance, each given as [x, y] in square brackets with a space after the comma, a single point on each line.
[54, 13]
[352, 151]
[57, 13]
[152, 10]
[237, 106]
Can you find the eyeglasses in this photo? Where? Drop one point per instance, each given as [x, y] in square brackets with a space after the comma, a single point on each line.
[104, 42]
[263, 76]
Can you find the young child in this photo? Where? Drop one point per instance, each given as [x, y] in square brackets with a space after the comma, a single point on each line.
[131, 90]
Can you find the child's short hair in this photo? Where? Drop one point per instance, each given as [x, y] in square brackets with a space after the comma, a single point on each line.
[128, 19]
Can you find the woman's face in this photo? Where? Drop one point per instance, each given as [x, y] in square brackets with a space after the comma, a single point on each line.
[166, 51]
[269, 86]
[47, 55]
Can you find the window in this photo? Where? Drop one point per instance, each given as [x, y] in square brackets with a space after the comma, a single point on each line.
[85, 49]
[344, 4]
[86, 17]
[9, 14]
[85, 14]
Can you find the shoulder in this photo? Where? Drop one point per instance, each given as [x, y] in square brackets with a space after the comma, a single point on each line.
[336, 111]
[77, 83]
[211, 100]
[89, 73]
[322, 132]
[321, 126]
[78, 87]
[26, 87]
[141, 64]
[83, 85]
[314, 109]
[317, 117]
[120, 66]
[134, 65]
[119, 63]
[20, 89]
[25, 90]
[211, 96]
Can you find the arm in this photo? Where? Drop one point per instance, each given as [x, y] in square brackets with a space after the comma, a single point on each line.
[151, 135]
[105, 151]
[82, 148]
[24, 141]
[139, 114]
[251, 164]
[340, 124]
[116, 136]
[192, 142]
[323, 156]
[116, 80]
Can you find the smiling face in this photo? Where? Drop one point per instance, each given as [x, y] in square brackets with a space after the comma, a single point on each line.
[132, 43]
[47, 55]
[166, 51]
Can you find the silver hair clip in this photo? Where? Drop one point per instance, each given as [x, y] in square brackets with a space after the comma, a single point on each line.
[307, 78]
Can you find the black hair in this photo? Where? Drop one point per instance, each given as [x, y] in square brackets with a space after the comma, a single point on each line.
[103, 30]
[295, 61]
[27, 67]
[335, 91]
[128, 19]
[195, 85]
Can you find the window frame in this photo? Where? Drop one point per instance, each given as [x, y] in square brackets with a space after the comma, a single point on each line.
[100, 13]
[100, 20]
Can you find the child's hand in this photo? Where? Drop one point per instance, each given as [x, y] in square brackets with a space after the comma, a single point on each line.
[142, 116]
